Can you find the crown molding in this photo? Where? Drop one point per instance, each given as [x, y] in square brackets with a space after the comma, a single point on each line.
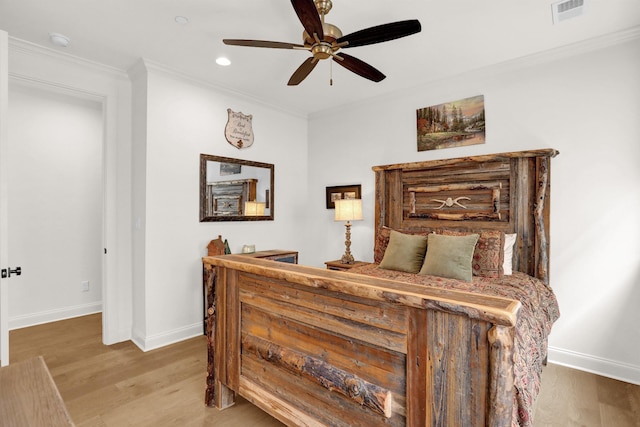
[566, 51]
[154, 67]
[140, 66]
[28, 48]
[551, 55]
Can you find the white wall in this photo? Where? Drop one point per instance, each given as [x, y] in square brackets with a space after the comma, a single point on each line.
[183, 120]
[584, 101]
[55, 202]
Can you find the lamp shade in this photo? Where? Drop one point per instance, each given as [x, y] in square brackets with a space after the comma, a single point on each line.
[348, 210]
[254, 208]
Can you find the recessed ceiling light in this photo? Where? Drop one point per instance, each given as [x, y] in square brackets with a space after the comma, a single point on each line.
[59, 39]
[182, 20]
[223, 61]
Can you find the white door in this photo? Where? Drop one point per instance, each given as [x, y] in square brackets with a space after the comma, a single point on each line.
[4, 290]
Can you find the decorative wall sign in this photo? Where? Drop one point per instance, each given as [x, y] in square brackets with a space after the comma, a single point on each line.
[453, 124]
[342, 192]
[238, 130]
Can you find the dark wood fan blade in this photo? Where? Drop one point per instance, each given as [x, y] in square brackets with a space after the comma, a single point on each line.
[303, 71]
[359, 67]
[309, 17]
[381, 33]
[262, 43]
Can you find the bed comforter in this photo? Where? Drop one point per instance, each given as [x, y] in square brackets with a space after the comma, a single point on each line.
[538, 313]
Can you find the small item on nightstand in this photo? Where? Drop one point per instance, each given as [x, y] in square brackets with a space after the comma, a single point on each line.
[227, 249]
[248, 249]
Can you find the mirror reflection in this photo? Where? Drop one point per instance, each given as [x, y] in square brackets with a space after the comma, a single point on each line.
[235, 190]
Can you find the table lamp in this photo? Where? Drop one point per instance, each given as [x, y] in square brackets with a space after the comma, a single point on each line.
[254, 208]
[348, 210]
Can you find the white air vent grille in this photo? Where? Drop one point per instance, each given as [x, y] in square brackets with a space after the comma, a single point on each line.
[568, 9]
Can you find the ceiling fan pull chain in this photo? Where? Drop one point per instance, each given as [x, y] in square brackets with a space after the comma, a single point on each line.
[330, 73]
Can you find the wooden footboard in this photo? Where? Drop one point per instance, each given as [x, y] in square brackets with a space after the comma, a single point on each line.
[315, 347]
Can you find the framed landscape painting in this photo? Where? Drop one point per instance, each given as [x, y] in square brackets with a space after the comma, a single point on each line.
[453, 124]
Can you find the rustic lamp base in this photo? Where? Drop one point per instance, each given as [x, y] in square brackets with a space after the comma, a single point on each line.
[347, 258]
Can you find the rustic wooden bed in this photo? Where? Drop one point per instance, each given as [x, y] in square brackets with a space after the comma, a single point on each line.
[315, 347]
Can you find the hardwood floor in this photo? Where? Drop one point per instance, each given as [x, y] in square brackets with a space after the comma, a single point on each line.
[575, 398]
[119, 385]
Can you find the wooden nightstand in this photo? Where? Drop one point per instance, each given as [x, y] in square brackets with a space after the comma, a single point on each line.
[337, 265]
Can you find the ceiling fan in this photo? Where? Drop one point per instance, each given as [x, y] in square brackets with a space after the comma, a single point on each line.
[324, 40]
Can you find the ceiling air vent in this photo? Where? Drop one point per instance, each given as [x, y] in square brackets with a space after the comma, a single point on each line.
[567, 9]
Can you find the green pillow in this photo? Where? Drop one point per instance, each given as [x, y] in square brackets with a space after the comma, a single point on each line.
[405, 252]
[450, 256]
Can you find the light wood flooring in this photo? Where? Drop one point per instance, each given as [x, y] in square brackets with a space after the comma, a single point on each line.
[120, 385]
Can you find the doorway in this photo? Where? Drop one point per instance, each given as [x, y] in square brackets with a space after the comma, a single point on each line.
[55, 203]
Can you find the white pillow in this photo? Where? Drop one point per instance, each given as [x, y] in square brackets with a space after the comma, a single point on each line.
[509, 243]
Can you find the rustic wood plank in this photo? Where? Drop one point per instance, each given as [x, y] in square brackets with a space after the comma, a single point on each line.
[541, 218]
[209, 277]
[471, 216]
[501, 376]
[374, 364]
[384, 315]
[494, 309]
[419, 406]
[279, 408]
[218, 393]
[306, 396]
[478, 159]
[390, 340]
[334, 379]
[453, 187]
[233, 338]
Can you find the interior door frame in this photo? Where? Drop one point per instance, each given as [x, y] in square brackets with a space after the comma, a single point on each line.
[111, 87]
[50, 87]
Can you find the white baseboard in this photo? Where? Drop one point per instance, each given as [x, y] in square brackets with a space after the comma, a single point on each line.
[166, 338]
[34, 319]
[608, 368]
[119, 335]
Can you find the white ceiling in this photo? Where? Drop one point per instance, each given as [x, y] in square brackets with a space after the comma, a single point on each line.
[457, 36]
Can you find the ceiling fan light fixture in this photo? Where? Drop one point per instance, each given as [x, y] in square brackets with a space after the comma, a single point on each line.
[58, 39]
[223, 61]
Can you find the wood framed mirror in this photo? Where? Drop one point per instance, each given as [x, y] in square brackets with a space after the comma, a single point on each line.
[235, 190]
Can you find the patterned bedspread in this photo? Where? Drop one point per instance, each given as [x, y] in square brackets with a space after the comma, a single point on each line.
[538, 313]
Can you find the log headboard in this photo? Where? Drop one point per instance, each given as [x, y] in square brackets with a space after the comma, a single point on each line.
[506, 191]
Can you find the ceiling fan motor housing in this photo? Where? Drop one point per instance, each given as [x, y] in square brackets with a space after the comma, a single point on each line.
[331, 34]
